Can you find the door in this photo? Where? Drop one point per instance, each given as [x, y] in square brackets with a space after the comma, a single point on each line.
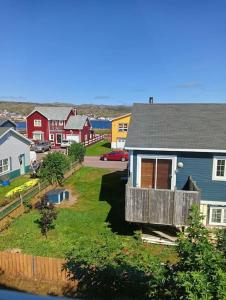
[156, 173]
[22, 164]
[148, 173]
[120, 143]
[58, 138]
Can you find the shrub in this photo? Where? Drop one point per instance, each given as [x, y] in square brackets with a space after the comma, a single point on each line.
[53, 167]
[77, 152]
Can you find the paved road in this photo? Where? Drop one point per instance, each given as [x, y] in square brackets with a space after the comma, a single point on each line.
[94, 161]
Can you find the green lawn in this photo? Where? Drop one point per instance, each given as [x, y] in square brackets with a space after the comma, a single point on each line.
[100, 200]
[99, 148]
[14, 183]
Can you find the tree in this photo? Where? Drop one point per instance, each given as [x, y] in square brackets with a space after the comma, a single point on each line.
[77, 152]
[53, 167]
[47, 215]
[201, 271]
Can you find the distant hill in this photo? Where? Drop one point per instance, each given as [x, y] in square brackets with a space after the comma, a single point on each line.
[25, 108]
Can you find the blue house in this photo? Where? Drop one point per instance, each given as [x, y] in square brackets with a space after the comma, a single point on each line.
[6, 123]
[177, 158]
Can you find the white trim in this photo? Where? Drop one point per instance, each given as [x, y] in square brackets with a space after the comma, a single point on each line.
[213, 202]
[131, 161]
[222, 215]
[8, 164]
[174, 167]
[16, 133]
[214, 168]
[120, 117]
[177, 149]
[39, 121]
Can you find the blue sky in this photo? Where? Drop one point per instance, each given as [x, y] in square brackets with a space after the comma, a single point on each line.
[113, 51]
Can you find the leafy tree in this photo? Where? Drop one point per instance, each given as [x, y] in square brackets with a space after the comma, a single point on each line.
[48, 214]
[77, 152]
[221, 240]
[200, 271]
[53, 167]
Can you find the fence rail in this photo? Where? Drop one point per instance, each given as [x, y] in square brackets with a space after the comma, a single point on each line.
[33, 192]
[93, 141]
[35, 267]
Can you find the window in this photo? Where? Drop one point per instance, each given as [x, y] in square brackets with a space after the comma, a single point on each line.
[217, 216]
[38, 123]
[61, 123]
[219, 168]
[37, 136]
[4, 165]
[51, 137]
[123, 127]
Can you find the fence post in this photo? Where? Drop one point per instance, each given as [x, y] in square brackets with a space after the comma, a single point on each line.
[21, 199]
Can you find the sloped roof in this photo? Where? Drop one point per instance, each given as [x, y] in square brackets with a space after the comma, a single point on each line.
[121, 117]
[76, 122]
[178, 126]
[3, 121]
[4, 130]
[53, 112]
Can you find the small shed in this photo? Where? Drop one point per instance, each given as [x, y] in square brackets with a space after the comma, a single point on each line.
[56, 196]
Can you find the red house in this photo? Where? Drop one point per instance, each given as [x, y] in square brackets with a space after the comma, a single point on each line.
[56, 124]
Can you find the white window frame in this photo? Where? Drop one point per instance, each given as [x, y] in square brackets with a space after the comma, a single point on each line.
[61, 123]
[222, 215]
[40, 134]
[214, 171]
[51, 137]
[37, 123]
[156, 157]
[122, 127]
[8, 165]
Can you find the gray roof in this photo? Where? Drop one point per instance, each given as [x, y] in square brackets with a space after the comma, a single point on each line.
[178, 126]
[3, 130]
[3, 121]
[76, 122]
[54, 112]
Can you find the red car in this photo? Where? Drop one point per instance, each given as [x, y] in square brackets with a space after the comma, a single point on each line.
[115, 155]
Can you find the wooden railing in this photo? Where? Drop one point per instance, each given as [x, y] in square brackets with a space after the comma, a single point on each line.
[159, 206]
[93, 141]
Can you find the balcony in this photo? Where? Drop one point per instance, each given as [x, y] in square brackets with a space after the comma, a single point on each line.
[152, 206]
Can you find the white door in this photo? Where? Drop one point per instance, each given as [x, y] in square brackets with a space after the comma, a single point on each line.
[73, 137]
[120, 144]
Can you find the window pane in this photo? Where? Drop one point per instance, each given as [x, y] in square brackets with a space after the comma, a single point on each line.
[224, 221]
[220, 167]
[216, 215]
[5, 161]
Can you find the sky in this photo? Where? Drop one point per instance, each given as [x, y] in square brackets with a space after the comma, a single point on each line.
[113, 51]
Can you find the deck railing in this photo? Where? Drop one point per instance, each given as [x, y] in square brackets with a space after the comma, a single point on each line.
[153, 206]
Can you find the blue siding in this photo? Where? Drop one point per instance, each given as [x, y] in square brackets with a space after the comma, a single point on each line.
[199, 166]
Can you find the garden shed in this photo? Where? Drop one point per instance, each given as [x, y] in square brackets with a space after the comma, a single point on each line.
[57, 195]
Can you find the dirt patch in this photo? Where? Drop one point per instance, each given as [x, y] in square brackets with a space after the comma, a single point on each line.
[71, 201]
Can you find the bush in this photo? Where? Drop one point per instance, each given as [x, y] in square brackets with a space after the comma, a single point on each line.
[77, 152]
[53, 167]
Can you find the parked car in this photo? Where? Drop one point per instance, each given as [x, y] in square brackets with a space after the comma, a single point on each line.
[66, 143]
[42, 146]
[115, 155]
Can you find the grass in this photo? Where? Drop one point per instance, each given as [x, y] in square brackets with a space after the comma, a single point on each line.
[14, 183]
[100, 200]
[99, 148]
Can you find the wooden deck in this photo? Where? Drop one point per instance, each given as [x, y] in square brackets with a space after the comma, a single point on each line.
[159, 206]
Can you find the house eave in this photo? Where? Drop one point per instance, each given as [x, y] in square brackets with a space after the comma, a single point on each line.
[176, 149]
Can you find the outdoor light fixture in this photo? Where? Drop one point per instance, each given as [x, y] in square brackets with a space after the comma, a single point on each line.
[180, 164]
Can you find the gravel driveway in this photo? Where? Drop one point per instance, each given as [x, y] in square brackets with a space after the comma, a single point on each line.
[94, 161]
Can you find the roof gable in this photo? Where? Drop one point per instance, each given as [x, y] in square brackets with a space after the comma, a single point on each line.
[5, 130]
[2, 122]
[178, 126]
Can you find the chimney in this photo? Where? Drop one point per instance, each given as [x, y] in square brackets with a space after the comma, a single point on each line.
[151, 100]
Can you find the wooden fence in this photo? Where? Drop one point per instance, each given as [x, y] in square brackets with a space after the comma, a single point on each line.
[166, 207]
[93, 141]
[32, 267]
[16, 207]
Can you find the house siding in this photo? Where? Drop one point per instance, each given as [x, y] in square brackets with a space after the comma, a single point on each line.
[197, 165]
[11, 147]
[31, 128]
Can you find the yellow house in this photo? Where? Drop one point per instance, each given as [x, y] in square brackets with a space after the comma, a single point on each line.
[119, 131]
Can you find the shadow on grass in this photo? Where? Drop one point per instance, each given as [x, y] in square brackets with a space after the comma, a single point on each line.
[113, 192]
[106, 145]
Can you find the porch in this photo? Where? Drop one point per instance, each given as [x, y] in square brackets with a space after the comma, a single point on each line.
[159, 206]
